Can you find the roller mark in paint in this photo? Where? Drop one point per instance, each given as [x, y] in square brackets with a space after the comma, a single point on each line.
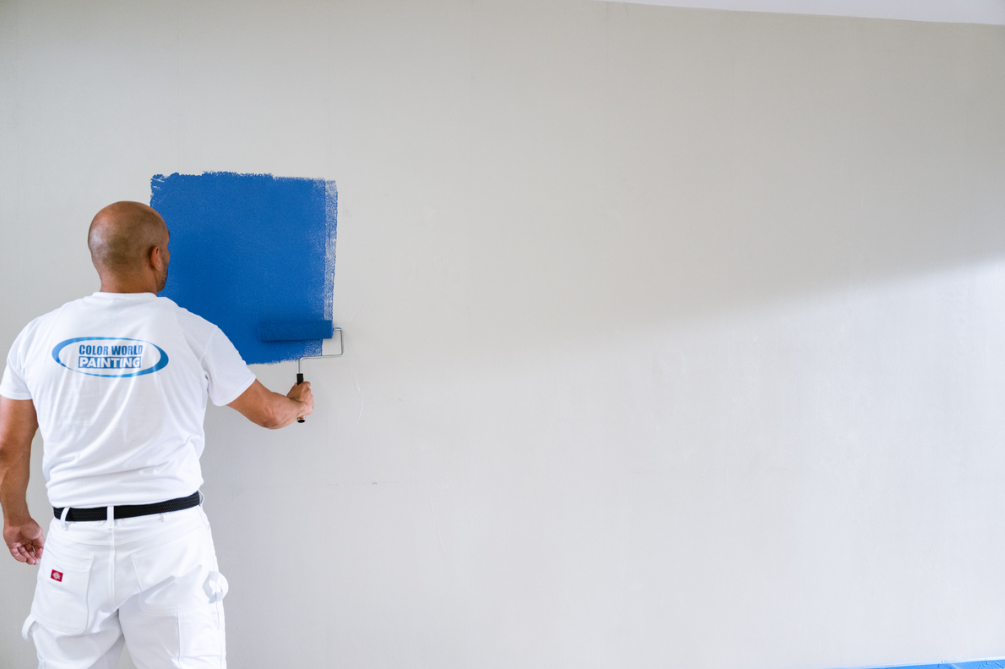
[248, 248]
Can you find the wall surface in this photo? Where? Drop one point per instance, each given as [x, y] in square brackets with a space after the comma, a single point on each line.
[674, 337]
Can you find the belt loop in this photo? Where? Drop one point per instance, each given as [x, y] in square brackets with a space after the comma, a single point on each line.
[62, 517]
[111, 516]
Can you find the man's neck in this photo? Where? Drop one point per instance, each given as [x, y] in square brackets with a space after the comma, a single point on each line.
[128, 286]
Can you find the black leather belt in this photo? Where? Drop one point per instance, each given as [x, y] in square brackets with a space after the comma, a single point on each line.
[130, 510]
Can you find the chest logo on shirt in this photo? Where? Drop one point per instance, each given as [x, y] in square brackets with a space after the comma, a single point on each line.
[113, 357]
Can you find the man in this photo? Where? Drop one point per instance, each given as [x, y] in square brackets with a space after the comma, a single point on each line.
[118, 383]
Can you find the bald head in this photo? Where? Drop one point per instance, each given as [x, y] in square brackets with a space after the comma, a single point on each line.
[124, 240]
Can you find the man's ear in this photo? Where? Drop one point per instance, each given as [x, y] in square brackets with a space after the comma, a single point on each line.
[156, 259]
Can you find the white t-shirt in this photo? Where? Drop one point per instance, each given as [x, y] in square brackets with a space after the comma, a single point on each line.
[120, 382]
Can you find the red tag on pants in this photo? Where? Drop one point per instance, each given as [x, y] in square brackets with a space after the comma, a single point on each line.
[57, 575]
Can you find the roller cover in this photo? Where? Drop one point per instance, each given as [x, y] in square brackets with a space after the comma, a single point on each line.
[295, 330]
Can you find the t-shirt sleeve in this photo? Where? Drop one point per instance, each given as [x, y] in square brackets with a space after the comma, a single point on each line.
[229, 376]
[13, 385]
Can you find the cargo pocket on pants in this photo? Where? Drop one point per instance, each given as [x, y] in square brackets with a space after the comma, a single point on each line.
[60, 603]
[201, 630]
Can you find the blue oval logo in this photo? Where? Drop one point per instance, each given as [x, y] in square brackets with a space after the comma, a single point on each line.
[114, 357]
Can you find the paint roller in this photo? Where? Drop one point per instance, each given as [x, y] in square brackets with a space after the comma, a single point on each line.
[301, 331]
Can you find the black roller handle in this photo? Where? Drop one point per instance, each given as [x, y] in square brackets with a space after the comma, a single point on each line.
[300, 379]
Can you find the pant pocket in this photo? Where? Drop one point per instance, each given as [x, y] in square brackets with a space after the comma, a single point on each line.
[173, 575]
[201, 632]
[60, 602]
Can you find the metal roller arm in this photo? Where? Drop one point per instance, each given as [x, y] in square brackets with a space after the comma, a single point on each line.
[341, 351]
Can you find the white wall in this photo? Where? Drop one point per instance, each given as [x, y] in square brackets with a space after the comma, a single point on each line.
[675, 337]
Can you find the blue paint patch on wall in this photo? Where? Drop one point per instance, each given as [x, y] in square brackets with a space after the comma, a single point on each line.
[247, 248]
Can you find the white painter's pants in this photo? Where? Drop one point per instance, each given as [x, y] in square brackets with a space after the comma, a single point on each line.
[150, 582]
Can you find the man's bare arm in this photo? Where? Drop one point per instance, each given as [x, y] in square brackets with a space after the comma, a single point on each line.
[22, 534]
[272, 410]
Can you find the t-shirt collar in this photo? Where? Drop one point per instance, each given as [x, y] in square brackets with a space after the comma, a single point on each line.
[124, 296]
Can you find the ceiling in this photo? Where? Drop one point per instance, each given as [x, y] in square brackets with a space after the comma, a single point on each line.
[938, 11]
